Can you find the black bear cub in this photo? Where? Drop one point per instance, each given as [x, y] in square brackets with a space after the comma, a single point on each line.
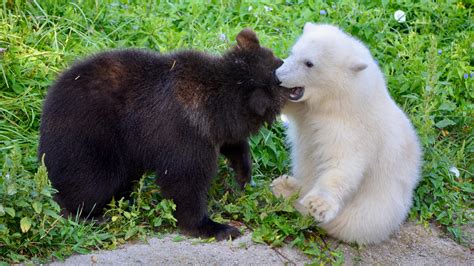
[111, 118]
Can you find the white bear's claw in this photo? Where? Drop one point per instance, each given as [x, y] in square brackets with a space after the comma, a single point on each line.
[321, 209]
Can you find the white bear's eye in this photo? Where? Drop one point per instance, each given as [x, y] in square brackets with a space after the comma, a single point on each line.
[308, 64]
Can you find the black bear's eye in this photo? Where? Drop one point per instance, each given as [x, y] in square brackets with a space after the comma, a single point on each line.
[308, 64]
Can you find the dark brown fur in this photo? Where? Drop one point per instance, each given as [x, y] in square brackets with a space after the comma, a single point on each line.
[109, 119]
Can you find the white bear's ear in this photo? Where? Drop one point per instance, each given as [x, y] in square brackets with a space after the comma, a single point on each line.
[308, 26]
[358, 66]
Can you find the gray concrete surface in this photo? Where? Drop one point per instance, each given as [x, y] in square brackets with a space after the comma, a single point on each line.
[413, 245]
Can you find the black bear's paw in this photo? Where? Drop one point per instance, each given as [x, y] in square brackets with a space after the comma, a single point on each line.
[243, 180]
[208, 228]
[227, 232]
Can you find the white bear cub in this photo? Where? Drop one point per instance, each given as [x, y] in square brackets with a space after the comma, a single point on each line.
[355, 155]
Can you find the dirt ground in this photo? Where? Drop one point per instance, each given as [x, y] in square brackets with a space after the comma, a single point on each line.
[413, 245]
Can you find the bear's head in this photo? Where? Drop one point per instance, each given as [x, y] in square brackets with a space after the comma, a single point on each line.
[252, 71]
[324, 61]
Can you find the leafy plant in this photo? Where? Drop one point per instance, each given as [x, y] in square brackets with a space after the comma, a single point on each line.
[30, 225]
[32, 229]
[145, 212]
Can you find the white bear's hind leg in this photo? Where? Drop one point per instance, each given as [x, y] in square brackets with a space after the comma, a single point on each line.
[372, 215]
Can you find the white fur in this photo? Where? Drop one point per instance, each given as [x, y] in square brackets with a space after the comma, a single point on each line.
[356, 157]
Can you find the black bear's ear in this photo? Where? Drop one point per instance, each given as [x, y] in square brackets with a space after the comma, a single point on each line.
[259, 102]
[247, 39]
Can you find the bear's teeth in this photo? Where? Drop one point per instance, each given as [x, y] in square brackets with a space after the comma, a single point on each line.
[296, 93]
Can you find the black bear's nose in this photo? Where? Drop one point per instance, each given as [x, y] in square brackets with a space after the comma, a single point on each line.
[280, 62]
[277, 81]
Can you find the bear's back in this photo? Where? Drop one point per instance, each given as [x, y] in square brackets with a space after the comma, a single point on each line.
[90, 102]
[115, 75]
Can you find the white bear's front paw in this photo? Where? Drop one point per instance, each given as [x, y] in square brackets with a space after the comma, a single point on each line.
[284, 186]
[322, 209]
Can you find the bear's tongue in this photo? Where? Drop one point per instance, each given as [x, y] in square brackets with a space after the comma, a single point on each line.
[296, 93]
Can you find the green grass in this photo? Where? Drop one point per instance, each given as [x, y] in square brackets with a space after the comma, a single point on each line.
[425, 60]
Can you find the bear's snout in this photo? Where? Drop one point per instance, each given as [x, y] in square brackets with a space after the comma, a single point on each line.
[281, 74]
[275, 78]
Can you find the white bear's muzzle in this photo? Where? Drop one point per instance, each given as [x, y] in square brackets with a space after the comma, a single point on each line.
[287, 79]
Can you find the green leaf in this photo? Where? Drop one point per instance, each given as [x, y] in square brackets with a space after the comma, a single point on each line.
[447, 106]
[25, 224]
[46, 192]
[157, 222]
[37, 206]
[10, 211]
[52, 213]
[80, 250]
[178, 238]
[2, 210]
[131, 232]
[11, 190]
[444, 123]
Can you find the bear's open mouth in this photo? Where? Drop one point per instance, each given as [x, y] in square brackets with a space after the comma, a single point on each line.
[296, 93]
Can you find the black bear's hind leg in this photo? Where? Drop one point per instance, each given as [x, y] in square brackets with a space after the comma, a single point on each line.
[239, 156]
[97, 188]
[188, 189]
